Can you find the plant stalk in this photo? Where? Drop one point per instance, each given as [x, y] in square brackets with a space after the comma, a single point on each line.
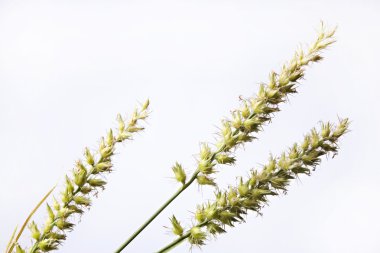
[174, 243]
[180, 239]
[184, 187]
[143, 226]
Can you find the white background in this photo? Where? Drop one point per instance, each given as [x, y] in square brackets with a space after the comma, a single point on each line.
[68, 67]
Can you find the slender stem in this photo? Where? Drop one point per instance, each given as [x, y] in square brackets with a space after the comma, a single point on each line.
[143, 226]
[194, 176]
[184, 187]
[174, 243]
[177, 241]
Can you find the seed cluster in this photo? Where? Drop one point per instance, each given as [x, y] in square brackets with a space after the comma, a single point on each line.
[255, 112]
[231, 206]
[86, 180]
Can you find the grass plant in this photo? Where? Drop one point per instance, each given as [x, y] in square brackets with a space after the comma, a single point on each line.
[229, 206]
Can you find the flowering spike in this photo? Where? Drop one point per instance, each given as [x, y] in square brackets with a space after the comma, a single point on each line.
[231, 206]
[179, 173]
[204, 180]
[197, 236]
[76, 195]
[177, 228]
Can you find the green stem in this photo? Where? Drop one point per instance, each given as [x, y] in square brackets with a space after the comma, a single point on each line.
[177, 241]
[143, 226]
[184, 187]
[194, 176]
[174, 243]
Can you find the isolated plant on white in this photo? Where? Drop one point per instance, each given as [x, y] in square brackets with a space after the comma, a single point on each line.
[230, 206]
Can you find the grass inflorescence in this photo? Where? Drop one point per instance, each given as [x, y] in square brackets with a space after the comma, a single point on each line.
[229, 206]
[245, 122]
[251, 194]
[85, 180]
